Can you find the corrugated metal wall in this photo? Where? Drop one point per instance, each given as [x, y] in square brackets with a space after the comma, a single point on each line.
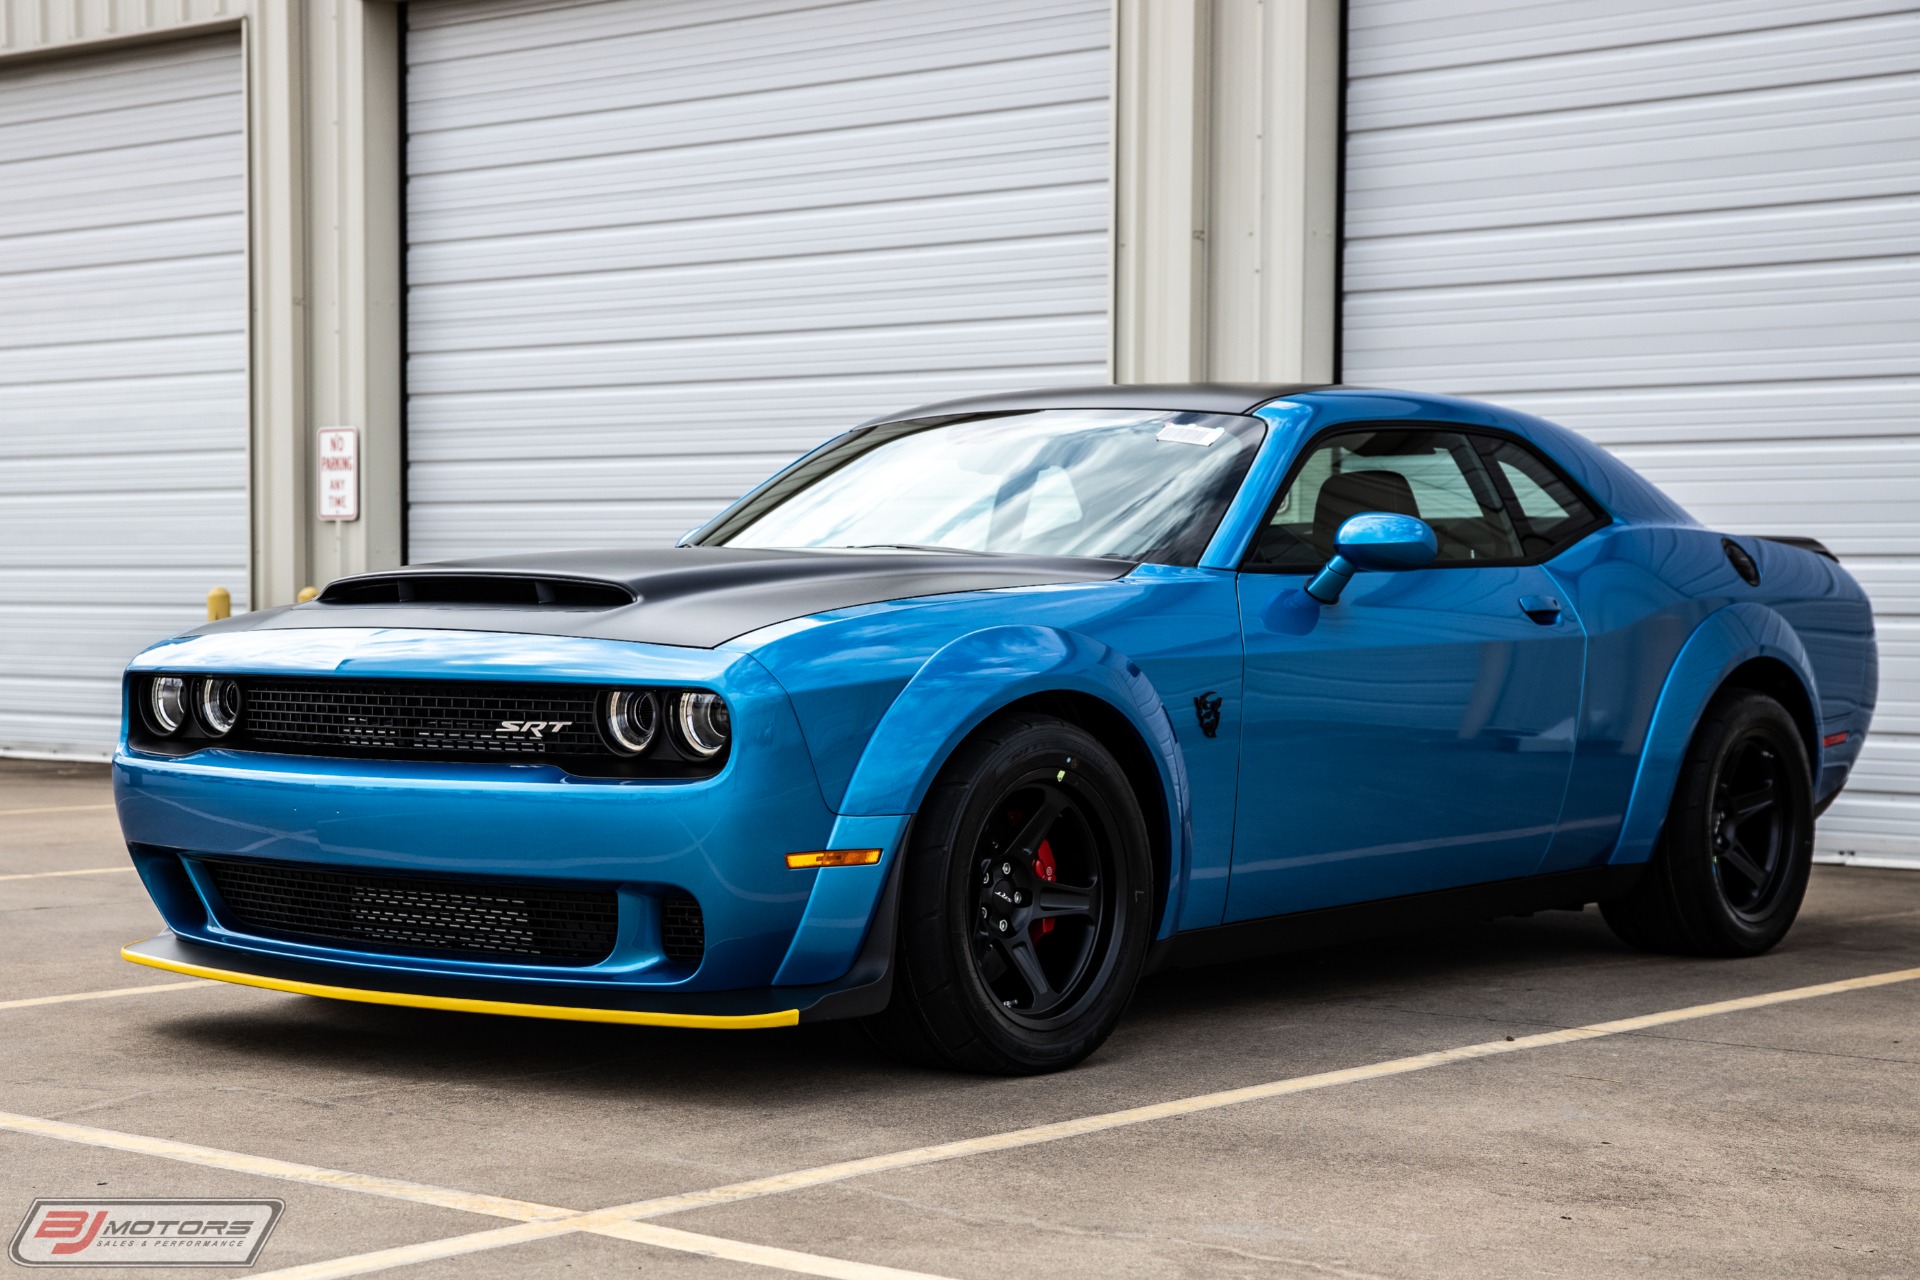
[123, 373]
[658, 247]
[1690, 231]
[33, 25]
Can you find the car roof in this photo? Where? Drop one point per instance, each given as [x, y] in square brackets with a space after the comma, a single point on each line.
[1176, 397]
[1619, 488]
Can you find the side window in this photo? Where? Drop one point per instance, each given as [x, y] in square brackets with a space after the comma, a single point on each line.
[1436, 475]
[1547, 511]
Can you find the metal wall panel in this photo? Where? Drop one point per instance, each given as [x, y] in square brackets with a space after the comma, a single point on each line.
[658, 247]
[35, 26]
[123, 373]
[1690, 231]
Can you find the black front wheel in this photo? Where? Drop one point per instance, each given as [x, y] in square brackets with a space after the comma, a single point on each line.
[1733, 859]
[1026, 907]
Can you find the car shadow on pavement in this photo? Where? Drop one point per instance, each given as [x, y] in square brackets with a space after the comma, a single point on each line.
[1231, 1023]
[1181, 1006]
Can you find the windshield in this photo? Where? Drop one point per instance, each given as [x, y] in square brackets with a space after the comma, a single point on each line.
[1126, 484]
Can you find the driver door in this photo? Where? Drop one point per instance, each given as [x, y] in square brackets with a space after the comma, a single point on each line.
[1418, 734]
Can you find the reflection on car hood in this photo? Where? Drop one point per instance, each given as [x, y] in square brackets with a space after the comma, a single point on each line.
[690, 596]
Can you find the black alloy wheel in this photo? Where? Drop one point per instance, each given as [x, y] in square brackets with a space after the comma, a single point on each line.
[1751, 826]
[1026, 908]
[1732, 862]
[1043, 917]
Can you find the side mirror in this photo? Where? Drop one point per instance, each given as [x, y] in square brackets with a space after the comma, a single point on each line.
[1377, 542]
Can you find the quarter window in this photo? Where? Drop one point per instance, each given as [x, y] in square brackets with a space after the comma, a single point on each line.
[1547, 510]
[1436, 475]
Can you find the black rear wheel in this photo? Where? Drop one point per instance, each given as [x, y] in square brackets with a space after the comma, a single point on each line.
[1752, 826]
[1733, 859]
[1025, 911]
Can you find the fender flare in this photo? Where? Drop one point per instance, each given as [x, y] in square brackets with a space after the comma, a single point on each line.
[980, 674]
[956, 691]
[1724, 641]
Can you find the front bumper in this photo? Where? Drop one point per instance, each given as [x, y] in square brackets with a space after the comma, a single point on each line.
[781, 944]
[865, 989]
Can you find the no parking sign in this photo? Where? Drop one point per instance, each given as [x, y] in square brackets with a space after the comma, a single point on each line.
[338, 466]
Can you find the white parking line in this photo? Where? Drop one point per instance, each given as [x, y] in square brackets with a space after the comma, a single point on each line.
[820, 1175]
[761, 1255]
[84, 871]
[55, 808]
[111, 994]
[806, 1264]
[266, 1167]
[537, 1221]
[1890, 915]
[407, 1255]
[625, 1221]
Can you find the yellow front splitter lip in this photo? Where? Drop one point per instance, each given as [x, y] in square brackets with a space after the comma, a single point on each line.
[462, 1004]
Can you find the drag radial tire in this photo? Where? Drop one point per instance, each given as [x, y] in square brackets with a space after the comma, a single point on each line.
[1026, 904]
[1732, 861]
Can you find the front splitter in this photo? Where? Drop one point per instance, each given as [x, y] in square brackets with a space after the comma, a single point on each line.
[572, 1004]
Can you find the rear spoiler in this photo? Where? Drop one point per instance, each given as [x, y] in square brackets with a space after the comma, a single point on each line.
[1805, 544]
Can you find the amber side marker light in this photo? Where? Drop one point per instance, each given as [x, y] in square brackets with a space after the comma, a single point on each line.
[834, 858]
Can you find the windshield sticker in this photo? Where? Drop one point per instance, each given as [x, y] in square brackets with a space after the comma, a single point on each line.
[1179, 434]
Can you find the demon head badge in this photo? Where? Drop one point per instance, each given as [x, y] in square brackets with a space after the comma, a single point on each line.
[1206, 708]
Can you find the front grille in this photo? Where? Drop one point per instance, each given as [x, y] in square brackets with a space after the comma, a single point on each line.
[445, 719]
[527, 924]
[683, 930]
[474, 721]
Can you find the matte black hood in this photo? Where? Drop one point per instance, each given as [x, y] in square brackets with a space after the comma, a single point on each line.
[696, 597]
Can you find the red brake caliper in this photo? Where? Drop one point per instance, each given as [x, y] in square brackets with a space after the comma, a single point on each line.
[1044, 869]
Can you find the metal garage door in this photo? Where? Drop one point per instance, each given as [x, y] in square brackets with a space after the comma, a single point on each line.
[123, 384]
[657, 247]
[1692, 232]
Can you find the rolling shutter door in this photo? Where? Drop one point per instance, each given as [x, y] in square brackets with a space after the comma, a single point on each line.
[656, 248]
[123, 373]
[1690, 231]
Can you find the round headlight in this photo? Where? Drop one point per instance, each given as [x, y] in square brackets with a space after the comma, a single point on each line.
[702, 724]
[218, 702]
[630, 719]
[166, 704]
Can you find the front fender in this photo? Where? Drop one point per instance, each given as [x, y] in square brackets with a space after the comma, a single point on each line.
[1734, 635]
[954, 692]
[985, 671]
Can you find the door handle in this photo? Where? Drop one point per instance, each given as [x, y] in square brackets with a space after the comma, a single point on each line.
[1544, 610]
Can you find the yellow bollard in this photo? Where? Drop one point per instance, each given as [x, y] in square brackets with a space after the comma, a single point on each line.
[306, 594]
[219, 604]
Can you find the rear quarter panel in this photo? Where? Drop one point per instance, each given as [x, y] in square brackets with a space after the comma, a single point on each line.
[1648, 594]
[1831, 614]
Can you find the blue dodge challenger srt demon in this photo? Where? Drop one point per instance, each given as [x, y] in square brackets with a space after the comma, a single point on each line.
[974, 715]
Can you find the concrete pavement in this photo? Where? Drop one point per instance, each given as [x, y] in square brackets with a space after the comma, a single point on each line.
[1778, 1141]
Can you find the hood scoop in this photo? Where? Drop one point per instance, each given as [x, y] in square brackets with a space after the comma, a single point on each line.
[694, 597]
[485, 590]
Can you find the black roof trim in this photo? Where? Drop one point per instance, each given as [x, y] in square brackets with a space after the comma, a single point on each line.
[1171, 397]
